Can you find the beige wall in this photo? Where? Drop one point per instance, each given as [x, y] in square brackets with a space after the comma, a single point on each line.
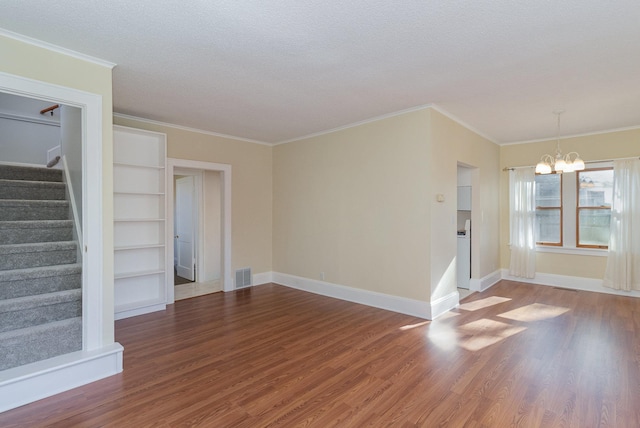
[22, 59]
[605, 146]
[452, 143]
[359, 204]
[353, 204]
[251, 193]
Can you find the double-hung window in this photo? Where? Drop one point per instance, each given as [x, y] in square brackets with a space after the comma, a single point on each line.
[593, 211]
[573, 210]
[549, 209]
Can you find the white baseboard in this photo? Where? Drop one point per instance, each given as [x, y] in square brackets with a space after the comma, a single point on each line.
[31, 382]
[571, 282]
[262, 278]
[485, 282]
[403, 305]
[139, 311]
[444, 304]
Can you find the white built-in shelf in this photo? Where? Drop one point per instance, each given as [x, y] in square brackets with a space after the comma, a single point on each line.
[138, 273]
[140, 304]
[128, 220]
[138, 193]
[137, 247]
[139, 181]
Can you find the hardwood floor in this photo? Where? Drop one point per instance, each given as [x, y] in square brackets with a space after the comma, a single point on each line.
[515, 355]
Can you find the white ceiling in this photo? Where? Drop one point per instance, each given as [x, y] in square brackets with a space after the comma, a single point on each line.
[272, 71]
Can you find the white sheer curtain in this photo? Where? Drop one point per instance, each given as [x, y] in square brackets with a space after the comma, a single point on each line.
[522, 211]
[623, 264]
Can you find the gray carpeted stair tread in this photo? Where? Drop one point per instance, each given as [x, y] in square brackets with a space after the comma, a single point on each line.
[16, 209]
[29, 311]
[39, 272]
[14, 172]
[30, 302]
[27, 345]
[21, 256]
[33, 247]
[32, 231]
[31, 224]
[40, 279]
[26, 189]
[47, 279]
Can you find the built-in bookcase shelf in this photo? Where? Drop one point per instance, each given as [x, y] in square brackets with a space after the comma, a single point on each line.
[139, 165]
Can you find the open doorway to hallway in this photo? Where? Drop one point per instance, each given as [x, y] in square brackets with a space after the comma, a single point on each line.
[197, 238]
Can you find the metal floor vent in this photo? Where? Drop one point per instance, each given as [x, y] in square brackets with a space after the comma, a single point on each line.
[243, 278]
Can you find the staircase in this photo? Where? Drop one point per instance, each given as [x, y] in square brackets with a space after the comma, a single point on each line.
[40, 277]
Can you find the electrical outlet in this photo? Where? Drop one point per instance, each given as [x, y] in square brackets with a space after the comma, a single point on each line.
[322, 276]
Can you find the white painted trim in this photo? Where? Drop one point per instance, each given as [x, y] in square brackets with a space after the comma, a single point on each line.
[225, 170]
[485, 282]
[571, 282]
[26, 384]
[27, 119]
[127, 313]
[462, 123]
[354, 124]
[262, 278]
[316, 134]
[566, 137]
[387, 116]
[577, 251]
[186, 128]
[55, 48]
[403, 305]
[444, 304]
[72, 200]
[92, 271]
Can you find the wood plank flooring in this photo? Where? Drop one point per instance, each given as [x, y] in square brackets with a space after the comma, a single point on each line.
[515, 355]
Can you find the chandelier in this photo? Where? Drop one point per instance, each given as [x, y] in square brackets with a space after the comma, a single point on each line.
[560, 163]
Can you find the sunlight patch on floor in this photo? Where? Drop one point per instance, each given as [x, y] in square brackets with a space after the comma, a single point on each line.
[485, 333]
[483, 303]
[412, 326]
[534, 312]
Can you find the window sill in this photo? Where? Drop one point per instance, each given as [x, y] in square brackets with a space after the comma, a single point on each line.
[597, 252]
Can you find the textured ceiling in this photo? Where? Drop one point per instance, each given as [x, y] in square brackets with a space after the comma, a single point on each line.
[273, 71]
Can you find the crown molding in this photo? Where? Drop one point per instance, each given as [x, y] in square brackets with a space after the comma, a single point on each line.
[56, 48]
[187, 128]
[354, 124]
[462, 123]
[566, 137]
[389, 115]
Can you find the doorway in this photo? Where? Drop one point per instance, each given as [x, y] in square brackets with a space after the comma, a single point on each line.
[91, 189]
[199, 198]
[186, 234]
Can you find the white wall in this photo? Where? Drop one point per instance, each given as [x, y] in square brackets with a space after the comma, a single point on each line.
[25, 134]
[71, 149]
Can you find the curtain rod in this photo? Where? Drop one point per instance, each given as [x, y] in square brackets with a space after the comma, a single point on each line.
[511, 168]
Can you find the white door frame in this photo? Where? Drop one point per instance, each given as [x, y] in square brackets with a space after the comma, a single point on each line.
[93, 302]
[225, 173]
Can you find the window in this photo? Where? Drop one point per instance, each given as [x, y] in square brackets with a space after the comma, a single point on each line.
[573, 210]
[593, 210]
[549, 209]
